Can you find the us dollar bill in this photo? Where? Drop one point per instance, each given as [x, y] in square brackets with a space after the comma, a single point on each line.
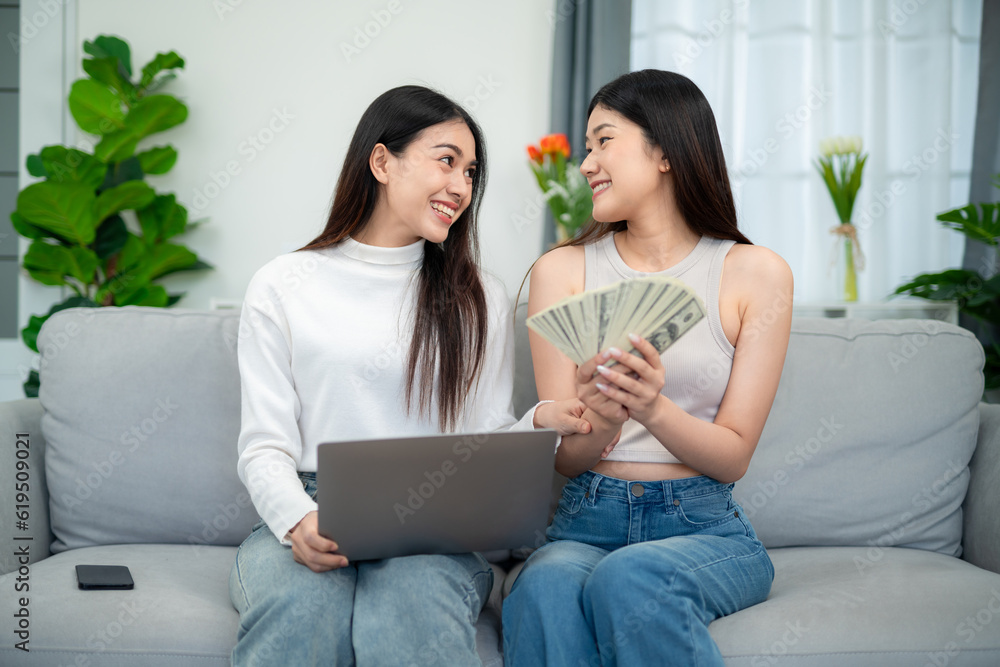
[657, 308]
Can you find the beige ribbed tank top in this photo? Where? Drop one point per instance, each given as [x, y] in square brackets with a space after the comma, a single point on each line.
[698, 365]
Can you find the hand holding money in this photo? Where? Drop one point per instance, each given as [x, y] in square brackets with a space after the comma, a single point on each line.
[657, 308]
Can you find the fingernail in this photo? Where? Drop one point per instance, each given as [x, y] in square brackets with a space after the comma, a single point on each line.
[614, 351]
[635, 339]
[606, 355]
[602, 387]
[603, 370]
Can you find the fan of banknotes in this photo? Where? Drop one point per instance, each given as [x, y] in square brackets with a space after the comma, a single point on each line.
[659, 309]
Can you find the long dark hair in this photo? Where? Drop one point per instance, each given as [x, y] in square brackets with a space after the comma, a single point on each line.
[675, 116]
[450, 325]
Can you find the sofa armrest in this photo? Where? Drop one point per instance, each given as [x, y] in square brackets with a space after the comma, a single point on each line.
[981, 532]
[18, 419]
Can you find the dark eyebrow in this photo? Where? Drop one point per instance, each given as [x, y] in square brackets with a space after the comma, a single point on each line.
[602, 126]
[458, 151]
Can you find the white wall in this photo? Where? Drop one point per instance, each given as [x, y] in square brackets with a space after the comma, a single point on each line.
[254, 67]
[307, 69]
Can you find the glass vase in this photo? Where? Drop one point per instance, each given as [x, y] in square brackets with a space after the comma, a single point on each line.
[850, 273]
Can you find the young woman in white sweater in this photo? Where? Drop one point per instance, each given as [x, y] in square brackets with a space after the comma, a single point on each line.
[381, 326]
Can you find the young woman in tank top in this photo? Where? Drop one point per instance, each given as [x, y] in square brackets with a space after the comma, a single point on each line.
[647, 546]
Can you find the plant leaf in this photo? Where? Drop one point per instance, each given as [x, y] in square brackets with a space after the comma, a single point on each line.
[35, 166]
[157, 160]
[133, 252]
[968, 221]
[128, 195]
[25, 228]
[199, 265]
[122, 172]
[162, 61]
[166, 258]
[95, 108]
[952, 285]
[66, 209]
[116, 146]
[109, 72]
[111, 237]
[49, 264]
[139, 265]
[69, 165]
[125, 278]
[160, 82]
[162, 219]
[854, 184]
[32, 384]
[29, 334]
[105, 46]
[149, 115]
[155, 113]
[147, 295]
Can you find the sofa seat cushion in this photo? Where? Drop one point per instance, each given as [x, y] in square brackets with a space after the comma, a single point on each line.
[836, 606]
[178, 614]
[863, 606]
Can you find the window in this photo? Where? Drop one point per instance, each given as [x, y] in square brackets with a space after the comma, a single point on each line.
[781, 75]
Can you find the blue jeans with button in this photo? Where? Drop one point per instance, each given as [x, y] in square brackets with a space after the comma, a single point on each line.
[633, 573]
[414, 610]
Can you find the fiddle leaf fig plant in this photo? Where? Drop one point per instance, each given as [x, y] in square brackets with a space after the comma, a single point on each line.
[96, 227]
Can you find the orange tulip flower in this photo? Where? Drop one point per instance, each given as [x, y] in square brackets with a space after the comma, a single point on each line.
[555, 143]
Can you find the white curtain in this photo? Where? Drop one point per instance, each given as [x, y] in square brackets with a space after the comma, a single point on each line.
[783, 74]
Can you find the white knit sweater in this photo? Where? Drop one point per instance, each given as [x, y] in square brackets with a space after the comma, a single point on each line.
[323, 342]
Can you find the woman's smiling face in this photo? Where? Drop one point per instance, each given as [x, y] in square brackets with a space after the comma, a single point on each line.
[624, 171]
[428, 186]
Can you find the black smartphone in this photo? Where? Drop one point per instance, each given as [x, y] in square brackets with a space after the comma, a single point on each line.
[98, 577]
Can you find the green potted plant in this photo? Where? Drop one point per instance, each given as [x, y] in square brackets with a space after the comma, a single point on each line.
[976, 296]
[95, 225]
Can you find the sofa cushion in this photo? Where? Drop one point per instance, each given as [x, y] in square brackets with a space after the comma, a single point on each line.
[179, 612]
[867, 606]
[861, 606]
[869, 438]
[142, 415]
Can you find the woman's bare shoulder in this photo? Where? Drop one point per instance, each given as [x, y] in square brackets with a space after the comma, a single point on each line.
[758, 264]
[757, 278]
[565, 262]
[557, 274]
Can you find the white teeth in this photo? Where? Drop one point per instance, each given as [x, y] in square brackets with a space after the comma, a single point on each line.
[603, 186]
[450, 212]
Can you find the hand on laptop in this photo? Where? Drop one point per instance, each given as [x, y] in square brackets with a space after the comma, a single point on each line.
[312, 549]
[563, 416]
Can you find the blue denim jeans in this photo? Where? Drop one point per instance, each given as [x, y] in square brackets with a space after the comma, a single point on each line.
[414, 610]
[633, 573]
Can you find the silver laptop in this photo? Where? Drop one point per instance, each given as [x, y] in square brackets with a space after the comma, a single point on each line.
[436, 494]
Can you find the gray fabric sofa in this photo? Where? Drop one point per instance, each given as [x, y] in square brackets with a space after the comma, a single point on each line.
[876, 487]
